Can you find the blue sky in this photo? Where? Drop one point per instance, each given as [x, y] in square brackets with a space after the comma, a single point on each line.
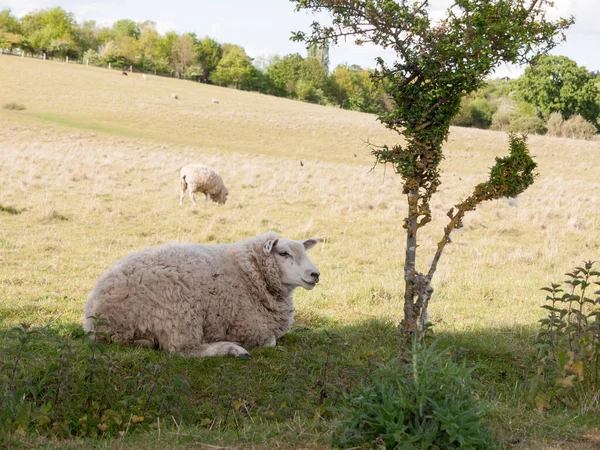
[263, 27]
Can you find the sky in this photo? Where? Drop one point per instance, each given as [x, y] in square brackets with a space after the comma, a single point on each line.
[263, 27]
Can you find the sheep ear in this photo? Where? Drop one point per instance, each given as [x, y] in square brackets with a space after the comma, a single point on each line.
[269, 246]
[309, 243]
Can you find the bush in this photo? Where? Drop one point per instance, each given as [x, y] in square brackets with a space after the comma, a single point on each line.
[14, 106]
[527, 125]
[475, 112]
[576, 127]
[555, 124]
[567, 368]
[501, 119]
[425, 403]
[92, 57]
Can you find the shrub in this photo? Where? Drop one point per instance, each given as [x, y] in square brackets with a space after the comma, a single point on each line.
[555, 124]
[527, 125]
[576, 127]
[567, 368]
[475, 112]
[501, 119]
[14, 106]
[427, 402]
[92, 57]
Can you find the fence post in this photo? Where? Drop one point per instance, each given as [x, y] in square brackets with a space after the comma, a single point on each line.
[67, 60]
[109, 66]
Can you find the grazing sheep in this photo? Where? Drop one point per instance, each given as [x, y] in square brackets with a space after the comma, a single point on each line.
[174, 96]
[124, 73]
[144, 76]
[215, 101]
[202, 300]
[199, 178]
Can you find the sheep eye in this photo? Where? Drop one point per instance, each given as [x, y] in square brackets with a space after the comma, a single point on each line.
[285, 254]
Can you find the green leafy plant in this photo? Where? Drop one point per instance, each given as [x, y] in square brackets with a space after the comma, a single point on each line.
[568, 344]
[80, 390]
[425, 402]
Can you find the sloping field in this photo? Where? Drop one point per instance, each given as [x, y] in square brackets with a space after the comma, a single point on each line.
[89, 173]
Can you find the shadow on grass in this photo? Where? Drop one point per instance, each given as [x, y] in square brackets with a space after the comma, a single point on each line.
[299, 384]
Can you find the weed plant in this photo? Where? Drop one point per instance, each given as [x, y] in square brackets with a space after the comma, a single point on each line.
[568, 344]
[423, 403]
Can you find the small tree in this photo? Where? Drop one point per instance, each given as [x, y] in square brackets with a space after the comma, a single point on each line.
[438, 62]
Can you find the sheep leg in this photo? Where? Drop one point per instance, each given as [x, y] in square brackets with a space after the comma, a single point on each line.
[220, 348]
[193, 198]
[183, 185]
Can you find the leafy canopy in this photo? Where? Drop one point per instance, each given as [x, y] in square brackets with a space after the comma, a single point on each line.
[557, 84]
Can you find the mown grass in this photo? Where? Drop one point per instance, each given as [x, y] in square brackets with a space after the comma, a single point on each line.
[93, 169]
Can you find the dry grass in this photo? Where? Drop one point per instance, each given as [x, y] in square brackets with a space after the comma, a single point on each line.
[92, 165]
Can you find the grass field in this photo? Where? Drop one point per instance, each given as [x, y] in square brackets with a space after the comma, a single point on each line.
[89, 173]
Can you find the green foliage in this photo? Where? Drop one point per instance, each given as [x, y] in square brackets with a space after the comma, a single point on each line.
[209, 55]
[567, 368]
[557, 84]
[527, 125]
[234, 69]
[475, 112]
[91, 57]
[426, 402]
[12, 106]
[70, 390]
[50, 30]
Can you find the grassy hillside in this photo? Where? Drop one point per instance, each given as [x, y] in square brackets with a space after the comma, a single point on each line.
[90, 173]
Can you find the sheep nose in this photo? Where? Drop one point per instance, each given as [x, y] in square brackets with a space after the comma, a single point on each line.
[315, 275]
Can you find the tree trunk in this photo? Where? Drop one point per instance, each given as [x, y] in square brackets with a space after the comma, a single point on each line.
[410, 260]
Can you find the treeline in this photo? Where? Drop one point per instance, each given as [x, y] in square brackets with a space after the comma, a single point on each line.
[554, 96]
[54, 33]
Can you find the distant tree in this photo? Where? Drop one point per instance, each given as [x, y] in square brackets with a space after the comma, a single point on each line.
[121, 52]
[50, 30]
[352, 87]
[234, 69]
[284, 73]
[86, 36]
[126, 27]
[184, 54]
[149, 48]
[10, 31]
[439, 60]
[209, 55]
[312, 84]
[321, 52]
[557, 84]
[166, 48]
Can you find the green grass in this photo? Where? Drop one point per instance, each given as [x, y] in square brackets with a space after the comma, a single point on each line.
[93, 174]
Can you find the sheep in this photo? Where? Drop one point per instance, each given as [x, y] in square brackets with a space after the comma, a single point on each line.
[215, 101]
[202, 300]
[174, 96]
[199, 178]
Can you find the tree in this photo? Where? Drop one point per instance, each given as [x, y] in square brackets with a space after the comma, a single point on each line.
[234, 69]
[438, 62]
[10, 30]
[284, 73]
[184, 54]
[50, 30]
[557, 84]
[126, 27]
[209, 55]
[86, 36]
[149, 47]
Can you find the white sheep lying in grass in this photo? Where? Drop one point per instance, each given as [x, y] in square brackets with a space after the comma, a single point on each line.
[199, 178]
[202, 300]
